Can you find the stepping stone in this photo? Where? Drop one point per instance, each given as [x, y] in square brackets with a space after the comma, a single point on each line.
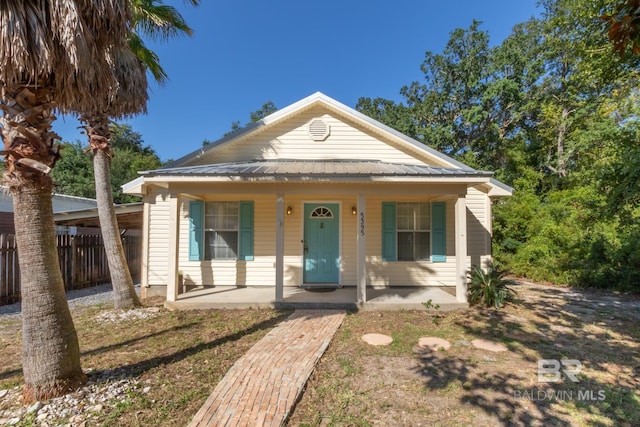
[377, 339]
[434, 343]
[489, 345]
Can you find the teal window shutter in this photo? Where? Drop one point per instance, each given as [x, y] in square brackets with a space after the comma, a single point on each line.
[389, 239]
[196, 230]
[438, 232]
[245, 249]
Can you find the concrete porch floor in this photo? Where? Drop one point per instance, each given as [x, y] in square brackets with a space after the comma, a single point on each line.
[395, 298]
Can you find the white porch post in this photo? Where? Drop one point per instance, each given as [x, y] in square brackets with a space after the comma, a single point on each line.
[279, 247]
[144, 273]
[461, 248]
[174, 238]
[361, 285]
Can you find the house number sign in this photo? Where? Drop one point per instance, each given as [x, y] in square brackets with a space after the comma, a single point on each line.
[362, 223]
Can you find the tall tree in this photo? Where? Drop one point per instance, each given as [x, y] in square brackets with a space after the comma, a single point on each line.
[155, 20]
[129, 98]
[52, 53]
[255, 116]
[73, 174]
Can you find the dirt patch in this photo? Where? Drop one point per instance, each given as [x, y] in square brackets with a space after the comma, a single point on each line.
[356, 384]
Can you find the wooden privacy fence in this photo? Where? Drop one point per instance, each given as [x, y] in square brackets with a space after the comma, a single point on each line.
[83, 263]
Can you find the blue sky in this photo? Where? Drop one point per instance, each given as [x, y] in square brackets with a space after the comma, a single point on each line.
[247, 52]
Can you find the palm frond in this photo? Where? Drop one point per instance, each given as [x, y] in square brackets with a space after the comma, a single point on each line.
[62, 43]
[149, 58]
[158, 21]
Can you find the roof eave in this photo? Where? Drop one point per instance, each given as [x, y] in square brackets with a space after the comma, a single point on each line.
[499, 189]
[134, 187]
[299, 178]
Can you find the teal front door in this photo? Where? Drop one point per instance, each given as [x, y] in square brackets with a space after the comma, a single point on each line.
[321, 243]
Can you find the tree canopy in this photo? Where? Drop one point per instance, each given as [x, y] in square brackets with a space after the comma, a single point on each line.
[554, 112]
[73, 174]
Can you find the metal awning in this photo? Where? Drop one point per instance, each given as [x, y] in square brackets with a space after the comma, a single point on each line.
[317, 168]
[129, 217]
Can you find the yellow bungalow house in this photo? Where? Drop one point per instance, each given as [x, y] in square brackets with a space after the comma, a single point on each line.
[314, 196]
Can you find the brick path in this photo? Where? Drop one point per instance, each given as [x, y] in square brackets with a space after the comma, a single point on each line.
[261, 388]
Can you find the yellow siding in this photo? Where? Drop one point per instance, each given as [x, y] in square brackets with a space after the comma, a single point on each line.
[158, 239]
[479, 239]
[261, 271]
[405, 273]
[290, 140]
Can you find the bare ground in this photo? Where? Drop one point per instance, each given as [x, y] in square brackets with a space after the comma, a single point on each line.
[403, 385]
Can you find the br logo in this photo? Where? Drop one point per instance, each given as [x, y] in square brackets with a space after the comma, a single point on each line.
[550, 370]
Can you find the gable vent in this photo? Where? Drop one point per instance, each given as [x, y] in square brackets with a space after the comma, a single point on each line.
[319, 130]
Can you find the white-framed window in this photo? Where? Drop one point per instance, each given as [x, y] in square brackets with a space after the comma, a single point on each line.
[413, 231]
[221, 220]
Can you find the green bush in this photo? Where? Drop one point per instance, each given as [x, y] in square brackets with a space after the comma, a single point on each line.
[489, 287]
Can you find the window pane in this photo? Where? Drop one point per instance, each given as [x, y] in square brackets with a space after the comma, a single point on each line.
[221, 244]
[422, 245]
[424, 217]
[221, 215]
[405, 216]
[221, 230]
[405, 246]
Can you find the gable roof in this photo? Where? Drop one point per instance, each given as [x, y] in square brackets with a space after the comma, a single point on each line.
[314, 100]
[437, 167]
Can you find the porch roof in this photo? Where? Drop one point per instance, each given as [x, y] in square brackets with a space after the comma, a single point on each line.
[317, 168]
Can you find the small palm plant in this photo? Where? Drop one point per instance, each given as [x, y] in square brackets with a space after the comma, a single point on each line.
[490, 287]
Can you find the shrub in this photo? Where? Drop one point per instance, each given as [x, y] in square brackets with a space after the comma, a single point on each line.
[490, 287]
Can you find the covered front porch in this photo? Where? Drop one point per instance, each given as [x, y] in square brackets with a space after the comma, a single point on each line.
[395, 298]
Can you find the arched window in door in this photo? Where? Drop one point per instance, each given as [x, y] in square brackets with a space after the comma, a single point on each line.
[321, 212]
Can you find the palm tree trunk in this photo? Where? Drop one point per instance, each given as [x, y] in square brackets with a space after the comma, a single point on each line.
[50, 350]
[123, 291]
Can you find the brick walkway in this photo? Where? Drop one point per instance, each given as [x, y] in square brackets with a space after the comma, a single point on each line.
[264, 384]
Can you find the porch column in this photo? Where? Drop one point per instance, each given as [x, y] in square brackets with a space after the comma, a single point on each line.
[174, 238]
[361, 284]
[279, 247]
[144, 272]
[461, 248]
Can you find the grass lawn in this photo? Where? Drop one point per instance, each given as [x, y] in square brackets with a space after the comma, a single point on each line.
[357, 384]
[177, 358]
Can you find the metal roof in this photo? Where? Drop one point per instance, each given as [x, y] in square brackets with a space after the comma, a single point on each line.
[317, 168]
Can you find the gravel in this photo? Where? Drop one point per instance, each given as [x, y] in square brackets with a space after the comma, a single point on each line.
[100, 395]
[104, 390]
[102, 294]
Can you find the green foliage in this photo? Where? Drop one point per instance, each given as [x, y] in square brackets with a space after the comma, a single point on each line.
[73, 173]
[267, 108]
[556, 115]
[491, 287]
[429, 305]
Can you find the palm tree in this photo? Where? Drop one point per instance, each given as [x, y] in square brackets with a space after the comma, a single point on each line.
[52, 53]
[157, 21]
[129, 98]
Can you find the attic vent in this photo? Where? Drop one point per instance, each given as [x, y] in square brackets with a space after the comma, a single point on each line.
[319, 130]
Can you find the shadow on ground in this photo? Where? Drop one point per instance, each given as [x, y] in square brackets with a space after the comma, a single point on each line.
[600, 331]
